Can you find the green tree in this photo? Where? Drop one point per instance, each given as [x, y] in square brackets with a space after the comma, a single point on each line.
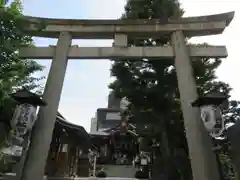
[151, 85]
[225, 155]
[15, 72]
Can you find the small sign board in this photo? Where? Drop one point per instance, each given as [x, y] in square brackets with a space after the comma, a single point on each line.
[113, 116]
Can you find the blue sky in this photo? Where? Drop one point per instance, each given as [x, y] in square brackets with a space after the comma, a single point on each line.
[85, 87]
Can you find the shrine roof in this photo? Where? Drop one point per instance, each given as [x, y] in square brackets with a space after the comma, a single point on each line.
[77, 129]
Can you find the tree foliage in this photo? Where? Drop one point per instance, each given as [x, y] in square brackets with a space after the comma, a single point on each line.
[15, 72]
[151, 86]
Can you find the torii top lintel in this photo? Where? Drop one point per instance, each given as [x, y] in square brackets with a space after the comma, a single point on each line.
[105, 29]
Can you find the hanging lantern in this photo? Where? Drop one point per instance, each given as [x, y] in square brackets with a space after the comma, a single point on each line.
[211, 112]
[23, 118]
[212, 119]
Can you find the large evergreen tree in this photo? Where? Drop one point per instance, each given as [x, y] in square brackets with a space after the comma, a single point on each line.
[151, 85]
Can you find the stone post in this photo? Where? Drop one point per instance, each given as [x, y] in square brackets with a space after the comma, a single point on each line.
[120, 40]
[42, 134]
[233, 135]
[203, 160]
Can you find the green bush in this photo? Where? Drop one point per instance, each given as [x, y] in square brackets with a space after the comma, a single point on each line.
[101, 174]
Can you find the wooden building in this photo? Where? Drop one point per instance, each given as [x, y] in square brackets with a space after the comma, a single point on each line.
[68, 154]
[117, 141]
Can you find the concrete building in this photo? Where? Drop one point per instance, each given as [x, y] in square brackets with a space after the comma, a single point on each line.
[93, 126]
[113, 102]
[106, 118]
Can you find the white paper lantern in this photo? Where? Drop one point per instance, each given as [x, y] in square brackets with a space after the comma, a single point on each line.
[23, 120]
[213, 120]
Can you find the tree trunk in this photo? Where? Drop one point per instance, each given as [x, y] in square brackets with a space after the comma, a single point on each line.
[166, 154]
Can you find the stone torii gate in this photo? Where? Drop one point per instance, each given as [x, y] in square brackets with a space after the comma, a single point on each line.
[203, 162]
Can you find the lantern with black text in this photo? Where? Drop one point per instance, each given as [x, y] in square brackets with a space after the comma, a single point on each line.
[211, 112]
[23, 118]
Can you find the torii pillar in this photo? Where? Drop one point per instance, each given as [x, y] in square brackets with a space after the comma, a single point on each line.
[42, 133]
[203, 161]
